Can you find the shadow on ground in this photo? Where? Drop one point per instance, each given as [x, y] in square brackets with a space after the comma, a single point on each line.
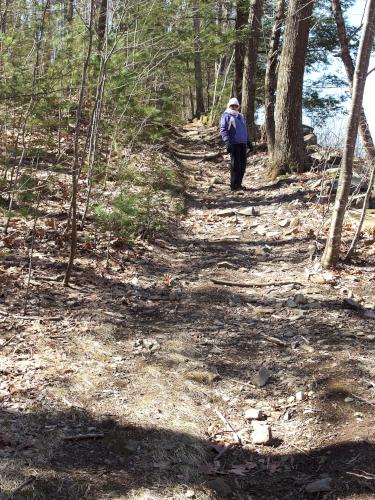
[125, 458]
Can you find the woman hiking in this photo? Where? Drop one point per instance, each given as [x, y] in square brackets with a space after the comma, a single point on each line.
[233, 129]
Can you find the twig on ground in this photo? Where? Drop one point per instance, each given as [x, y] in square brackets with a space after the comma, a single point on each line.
[362, 399]
[229, 426]
[247, 284]
[274, 340]
[32, 318]
[299, 449]
[20, 487]
[365, 475]
[81, 437]
[248, 384]
[7, 342]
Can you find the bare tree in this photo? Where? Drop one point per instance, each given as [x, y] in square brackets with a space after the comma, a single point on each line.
[239, 48]
[271, 74]
[250, 64]
[102, 23]
[289, 153]
[333, 244]
[364, 129]
[76, 164]
[199, 110]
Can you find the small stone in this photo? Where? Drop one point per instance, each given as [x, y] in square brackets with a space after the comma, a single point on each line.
[221, 487]
[253, 414]
[290, 303]
[307, 347]
[284, 223]
[295, 222]
[262, 377]
[300, 299]
[249, 211]
[290, 400]
[300, 396]
[319, 485]
[190, 494]
[262, 434]
[259, 252]
[226, 265]
[348, 400]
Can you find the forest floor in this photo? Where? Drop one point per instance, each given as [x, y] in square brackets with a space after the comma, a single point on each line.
[134, 382]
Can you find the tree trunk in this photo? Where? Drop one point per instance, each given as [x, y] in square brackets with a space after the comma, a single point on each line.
[102, 23]
[333, 244]
[69, 7]
[199, 111]
[289, 153]
[364, 129]
[75, 165]
[239, 48]
[271, 75]
[250, 65]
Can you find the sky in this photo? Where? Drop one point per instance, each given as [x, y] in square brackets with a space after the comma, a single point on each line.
[332, 132]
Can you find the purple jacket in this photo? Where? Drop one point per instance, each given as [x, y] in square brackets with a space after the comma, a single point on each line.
[234, 134]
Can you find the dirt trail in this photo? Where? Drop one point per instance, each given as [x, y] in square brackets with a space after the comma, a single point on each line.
[160, 362]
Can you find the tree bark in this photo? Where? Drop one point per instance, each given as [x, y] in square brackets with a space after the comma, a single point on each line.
[364, 129]
[239, 48]
[250, 65]
[271, 75]
[333, 244]
[199, 110]
[289, 153]
[75, 165]
[102, 23]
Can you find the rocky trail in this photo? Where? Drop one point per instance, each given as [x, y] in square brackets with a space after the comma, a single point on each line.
[218, 362]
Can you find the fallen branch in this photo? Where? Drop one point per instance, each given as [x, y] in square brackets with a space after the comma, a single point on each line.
[274, 340]
[228, 425]
[247, 284]
[190, 155]
[20, 487]
[361, 399]
[246, 384]
[7, 342]
[366, 475]
[81, 437]
[31, 318]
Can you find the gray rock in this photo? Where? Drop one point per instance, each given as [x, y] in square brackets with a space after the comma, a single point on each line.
[221, 487]
[262, 377]
[306, 129]
[253, 414]
[249, 211]
[226, 265]
[319, 485]
[299, 299]
[310, 139]
[300, 396]
[290, 303]
[261, 434]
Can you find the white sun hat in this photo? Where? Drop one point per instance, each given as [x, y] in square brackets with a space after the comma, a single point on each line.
[233, 102]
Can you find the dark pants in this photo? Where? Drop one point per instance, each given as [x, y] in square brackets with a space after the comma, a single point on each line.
[237, 165]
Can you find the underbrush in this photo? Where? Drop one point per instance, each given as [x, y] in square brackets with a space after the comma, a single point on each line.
[148, 197]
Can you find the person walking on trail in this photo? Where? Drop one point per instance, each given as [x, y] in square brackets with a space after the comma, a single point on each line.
[233, 129]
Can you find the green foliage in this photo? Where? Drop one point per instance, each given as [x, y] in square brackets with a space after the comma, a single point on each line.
[150, 200]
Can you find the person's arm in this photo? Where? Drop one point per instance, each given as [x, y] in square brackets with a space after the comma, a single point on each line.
[224, 128]
[224, 131]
